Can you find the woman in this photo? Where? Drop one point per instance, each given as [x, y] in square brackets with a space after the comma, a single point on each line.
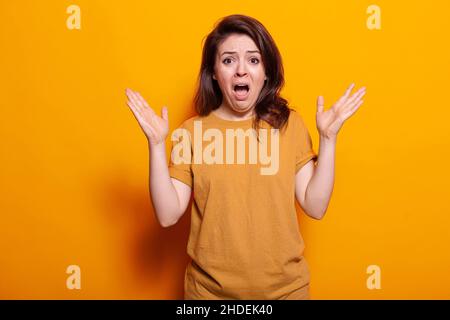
[244, 239]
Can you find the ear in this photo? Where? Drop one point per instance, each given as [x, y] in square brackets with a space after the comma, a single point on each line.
[214, 76]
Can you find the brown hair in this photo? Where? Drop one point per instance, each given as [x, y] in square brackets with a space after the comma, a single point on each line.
[270, 106]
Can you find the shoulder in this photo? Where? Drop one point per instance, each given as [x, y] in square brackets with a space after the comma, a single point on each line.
[297, 119]
[189, 123]
[206, 121]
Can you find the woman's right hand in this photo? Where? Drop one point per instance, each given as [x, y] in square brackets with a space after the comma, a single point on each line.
[155, 128]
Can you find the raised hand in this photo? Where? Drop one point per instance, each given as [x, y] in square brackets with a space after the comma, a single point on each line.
[330, 122]
[155, 128]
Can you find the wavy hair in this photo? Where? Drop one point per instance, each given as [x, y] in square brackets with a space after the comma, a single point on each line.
[270, 106]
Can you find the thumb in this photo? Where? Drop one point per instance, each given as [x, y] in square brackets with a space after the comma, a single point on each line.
[165, 113]
[320, 104]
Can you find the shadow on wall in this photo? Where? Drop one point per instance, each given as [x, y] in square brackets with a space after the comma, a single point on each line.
[153, 257]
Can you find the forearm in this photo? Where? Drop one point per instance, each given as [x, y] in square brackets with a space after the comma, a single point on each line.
[320, 187]
[162, 192]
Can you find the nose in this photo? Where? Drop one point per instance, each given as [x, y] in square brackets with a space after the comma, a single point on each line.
[241, 69]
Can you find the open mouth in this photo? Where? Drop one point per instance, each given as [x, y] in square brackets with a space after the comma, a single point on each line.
[241, 91]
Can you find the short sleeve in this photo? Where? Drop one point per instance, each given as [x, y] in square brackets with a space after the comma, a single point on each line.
[180, 164]
[304, 151]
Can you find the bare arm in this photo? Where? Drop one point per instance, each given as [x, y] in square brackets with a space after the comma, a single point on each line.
[314, 185]
[170, 197]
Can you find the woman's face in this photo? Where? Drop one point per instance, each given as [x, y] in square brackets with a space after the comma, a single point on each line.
[239, 72]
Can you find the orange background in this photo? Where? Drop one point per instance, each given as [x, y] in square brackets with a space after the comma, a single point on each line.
[74, 162]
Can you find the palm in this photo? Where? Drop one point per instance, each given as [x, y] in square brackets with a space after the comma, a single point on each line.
[330, 122]
[155, 128]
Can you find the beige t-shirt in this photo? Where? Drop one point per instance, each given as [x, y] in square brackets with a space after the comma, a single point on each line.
[244, 239]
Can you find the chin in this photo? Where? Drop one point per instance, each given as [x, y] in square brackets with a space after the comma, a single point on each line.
[242, 109]
[243, 105]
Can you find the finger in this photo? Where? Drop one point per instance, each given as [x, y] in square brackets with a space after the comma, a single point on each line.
[137, 101]
[343, 99]
[137, 113]
[351, 105]
[353, 109]
[141, 99]
[140, 118]
[165, 113]
[144, 102]
[357, 96]
[132, 96]
[349, 89]
[356, 106]
[146, 112]
[320, 102]
[133, 106]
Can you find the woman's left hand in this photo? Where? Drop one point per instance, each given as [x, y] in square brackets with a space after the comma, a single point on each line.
[330, 122]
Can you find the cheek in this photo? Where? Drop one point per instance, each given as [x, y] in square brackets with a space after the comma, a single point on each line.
[224, 81]
[259, 81]
[258, 75]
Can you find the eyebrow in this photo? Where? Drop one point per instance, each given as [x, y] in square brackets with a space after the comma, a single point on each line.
[234, 52]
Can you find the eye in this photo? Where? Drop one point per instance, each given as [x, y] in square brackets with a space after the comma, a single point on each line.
[253, 59]
[226, 59]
